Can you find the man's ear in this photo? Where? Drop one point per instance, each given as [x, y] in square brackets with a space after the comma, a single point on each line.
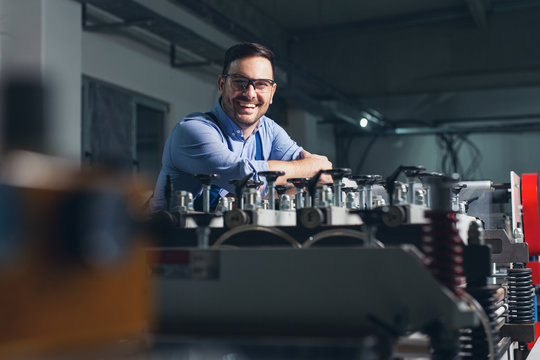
[273, 92]
[220, 84]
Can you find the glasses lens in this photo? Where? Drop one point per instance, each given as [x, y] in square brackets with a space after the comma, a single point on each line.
[262, 85]
[241, 83]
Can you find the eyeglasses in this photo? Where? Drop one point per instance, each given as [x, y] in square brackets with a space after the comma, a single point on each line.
[241, 83]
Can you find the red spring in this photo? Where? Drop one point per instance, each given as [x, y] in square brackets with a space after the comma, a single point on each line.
[444, 249]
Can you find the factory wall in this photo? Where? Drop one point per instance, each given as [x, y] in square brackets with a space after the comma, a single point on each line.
[127, 64]
[497, 152]
[45, 39]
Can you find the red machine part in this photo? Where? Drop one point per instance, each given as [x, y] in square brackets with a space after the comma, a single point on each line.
[531, 228]
[531, 222]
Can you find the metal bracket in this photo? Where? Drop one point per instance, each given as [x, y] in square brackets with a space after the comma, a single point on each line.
[503, 249]
[179, 65]
[112, 26]
[519, 332]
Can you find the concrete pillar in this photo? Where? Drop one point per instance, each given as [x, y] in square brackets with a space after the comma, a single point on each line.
[42, 39]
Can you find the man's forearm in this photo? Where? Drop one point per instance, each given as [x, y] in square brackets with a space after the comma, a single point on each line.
[306, 167]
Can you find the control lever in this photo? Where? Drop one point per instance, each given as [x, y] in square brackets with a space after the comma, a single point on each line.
[427, 178]
[312, 186]
[206, 180]
[239, 186]
[281, 189]
[271, 177]
[254, 184]
[337, 175]
[390, 182]
[456, 189]
[411, 173]
[299, 184]
[366, 183]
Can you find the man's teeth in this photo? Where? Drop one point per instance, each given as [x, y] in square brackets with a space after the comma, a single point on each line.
[247, 105]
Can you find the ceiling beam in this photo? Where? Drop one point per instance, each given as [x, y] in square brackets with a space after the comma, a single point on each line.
[415, 19]
[389, 23]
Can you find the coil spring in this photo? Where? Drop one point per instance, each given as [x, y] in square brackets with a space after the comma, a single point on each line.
[520, 295]
[444, 249]
[474, 343]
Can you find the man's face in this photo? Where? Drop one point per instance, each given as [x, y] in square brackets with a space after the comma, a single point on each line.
[246, 107]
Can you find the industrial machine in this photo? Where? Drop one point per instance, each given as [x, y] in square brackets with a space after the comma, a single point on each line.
[433, 267]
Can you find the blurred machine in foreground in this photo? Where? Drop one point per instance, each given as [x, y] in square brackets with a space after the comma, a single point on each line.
[72, 264]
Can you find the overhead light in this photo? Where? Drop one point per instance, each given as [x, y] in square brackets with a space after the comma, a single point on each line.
[363, 122]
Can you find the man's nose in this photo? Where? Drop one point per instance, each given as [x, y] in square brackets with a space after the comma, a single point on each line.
[250, 90]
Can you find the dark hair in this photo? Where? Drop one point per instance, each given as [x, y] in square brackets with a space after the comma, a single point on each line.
[244, 50]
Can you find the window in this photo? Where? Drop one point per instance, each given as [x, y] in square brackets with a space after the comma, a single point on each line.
[122, 129]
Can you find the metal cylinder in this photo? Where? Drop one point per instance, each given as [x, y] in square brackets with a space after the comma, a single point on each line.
[410, 190]
[337, 192]
[206, 198]
[285, 202]
[252, 199]
[369, 197]
[272, 195]
[362, 197]
[299, 198]
[350, 200]
[203, 237]
[185, 200]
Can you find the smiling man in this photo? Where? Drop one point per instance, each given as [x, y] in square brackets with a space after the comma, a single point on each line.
[235, 138]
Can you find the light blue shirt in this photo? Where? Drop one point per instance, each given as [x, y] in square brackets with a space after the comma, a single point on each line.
[196, 145]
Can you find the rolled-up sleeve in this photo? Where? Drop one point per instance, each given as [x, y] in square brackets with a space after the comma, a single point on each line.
[283, 147]
[198, 147]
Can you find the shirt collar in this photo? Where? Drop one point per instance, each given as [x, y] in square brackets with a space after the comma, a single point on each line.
[230, 128]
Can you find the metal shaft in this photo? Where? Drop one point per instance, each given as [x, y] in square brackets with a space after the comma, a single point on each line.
[337, 193]
[410, 190]
[369, 197]
[203, 237]
[362, 197]
[272, 195]
[299, 199]
[206, 198]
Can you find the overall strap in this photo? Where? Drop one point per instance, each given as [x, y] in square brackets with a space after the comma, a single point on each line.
[259, 149]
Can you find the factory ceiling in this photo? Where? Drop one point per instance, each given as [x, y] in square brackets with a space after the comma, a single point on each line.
[333, 54]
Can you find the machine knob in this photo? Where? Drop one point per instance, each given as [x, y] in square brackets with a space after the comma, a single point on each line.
[426, 176]
[412, 171]
[206, 179]
[338, 173]
[240, 184]
[254, 184]
[281, 189]
[271, 176]
[366, 179]
[298, 183]
[456, 189]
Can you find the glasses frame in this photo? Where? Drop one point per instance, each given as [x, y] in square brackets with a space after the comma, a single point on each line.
[250, 82]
